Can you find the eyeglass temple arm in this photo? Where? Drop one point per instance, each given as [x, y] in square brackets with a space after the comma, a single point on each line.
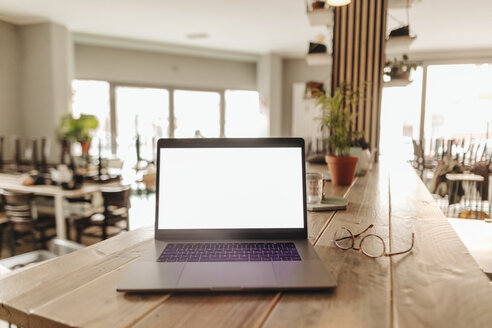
[357, 235]
[360, 233]
[408, 250]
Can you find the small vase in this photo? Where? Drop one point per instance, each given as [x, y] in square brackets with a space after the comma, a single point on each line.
[85, 147]
[342, 169]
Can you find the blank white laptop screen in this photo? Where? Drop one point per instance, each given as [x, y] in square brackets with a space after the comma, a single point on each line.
[230, 188]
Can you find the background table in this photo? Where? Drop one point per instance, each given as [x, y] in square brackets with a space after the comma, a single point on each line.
[11, 182]
[472, 197]
[438, 284]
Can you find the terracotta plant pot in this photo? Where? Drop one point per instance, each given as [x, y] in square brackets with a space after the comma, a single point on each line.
[342, 169]
[313, 89]
[85, 147]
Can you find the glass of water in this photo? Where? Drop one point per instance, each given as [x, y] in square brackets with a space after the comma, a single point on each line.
[314, 188]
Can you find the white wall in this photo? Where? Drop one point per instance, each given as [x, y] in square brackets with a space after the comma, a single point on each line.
[45, 74]
[297, 71]
[63, 69]
[10, 119]
[269, 83]
[157, 68]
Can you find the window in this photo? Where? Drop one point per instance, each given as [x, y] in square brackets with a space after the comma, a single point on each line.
[142, 113]
[457, 107]
[145, 112]
[400, 117]
[92, 97]
[243, 116]
[458, 103]
[196, 113]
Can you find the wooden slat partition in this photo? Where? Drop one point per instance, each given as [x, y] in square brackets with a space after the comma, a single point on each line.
[358, 57]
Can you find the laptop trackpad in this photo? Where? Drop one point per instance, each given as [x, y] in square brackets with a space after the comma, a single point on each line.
[227, 274]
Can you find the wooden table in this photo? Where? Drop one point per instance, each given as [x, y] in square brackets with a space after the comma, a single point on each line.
[438, 284]
[11, 182]
[469, 183]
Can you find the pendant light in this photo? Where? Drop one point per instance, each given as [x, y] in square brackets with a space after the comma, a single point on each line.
[338, 3]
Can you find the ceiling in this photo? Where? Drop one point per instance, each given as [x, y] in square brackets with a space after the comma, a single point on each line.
[253, 26]
[446, 24]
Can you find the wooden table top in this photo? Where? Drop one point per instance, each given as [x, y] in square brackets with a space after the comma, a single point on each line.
[438, 284]
[464, 177]
[12, 182]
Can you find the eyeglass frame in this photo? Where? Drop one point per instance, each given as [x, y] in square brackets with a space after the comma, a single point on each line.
[360, 250]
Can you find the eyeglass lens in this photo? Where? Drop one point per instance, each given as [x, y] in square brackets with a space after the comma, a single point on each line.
[344, 238]
[372, 246]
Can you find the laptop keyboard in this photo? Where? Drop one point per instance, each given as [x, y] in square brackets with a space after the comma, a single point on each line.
[229, 252]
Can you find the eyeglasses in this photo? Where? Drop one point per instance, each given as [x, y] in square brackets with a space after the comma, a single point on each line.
[370, 245]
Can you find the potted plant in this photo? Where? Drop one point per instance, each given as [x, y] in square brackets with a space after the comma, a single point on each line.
[400, 31]
[79, 129]
[316, 4]
[399, 69]
[312, 89]
[337, 120]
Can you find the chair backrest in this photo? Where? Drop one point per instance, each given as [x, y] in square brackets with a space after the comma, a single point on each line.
[116, 198]
[17, 206]
[1, 152]
[418, 150]
[44, 153]
[34, 156]
[17, 156]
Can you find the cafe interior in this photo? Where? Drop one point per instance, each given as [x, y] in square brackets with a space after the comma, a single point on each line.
[87, 88]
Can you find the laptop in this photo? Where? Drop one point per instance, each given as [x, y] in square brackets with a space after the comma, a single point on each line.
[230, 216]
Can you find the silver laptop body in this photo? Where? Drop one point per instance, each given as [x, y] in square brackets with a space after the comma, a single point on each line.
[230, 215]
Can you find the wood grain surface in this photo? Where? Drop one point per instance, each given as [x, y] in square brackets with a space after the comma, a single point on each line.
[363, 283]
[438, 284]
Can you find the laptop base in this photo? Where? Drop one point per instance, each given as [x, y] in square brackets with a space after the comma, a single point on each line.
[147, 275]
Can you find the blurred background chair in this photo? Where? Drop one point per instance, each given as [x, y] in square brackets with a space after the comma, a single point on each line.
[3, 224]
[1, 152]
[420, 162]
[24, 221]
[116, 206]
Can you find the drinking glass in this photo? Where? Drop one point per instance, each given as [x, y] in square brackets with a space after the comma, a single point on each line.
[314, 188]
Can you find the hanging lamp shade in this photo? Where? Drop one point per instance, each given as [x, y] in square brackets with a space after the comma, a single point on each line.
[338, 3]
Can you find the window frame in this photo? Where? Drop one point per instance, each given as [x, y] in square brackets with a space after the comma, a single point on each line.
[170, 88]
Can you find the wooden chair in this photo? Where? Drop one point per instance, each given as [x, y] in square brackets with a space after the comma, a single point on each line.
[3, 224]
[116, 205]
[44, 155]
[419, 162]
[23, 219]
[66, 151]
[439, 149]
[17, 154]
[1, 153]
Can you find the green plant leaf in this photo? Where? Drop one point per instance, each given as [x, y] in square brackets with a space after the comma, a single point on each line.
[337, 119]
[80, 129]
